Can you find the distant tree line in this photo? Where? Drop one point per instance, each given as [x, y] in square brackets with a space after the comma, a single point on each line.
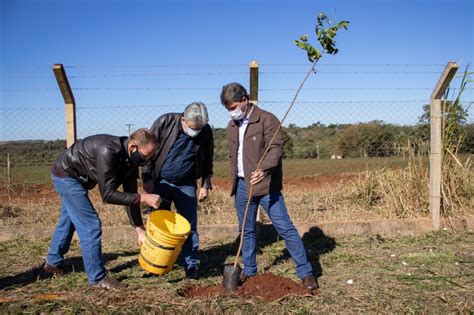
[371, 139]
[31, 152]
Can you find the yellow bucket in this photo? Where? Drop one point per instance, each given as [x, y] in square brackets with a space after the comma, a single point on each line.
[166, 232]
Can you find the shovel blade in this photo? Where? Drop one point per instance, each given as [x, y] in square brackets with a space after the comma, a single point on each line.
[231, 277]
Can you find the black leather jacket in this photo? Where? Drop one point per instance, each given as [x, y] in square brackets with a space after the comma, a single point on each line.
[166, 129]
[104, 160]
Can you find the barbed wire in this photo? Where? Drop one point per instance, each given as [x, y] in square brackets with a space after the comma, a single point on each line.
[357, 64]
[351, 72]
[346, 102]
[218, 89]
[124, 75]
[348, 88]
[224, 65]
[33, 108]
[215, 103]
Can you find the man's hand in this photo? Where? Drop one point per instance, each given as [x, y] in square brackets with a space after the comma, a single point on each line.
[203, 193]
[257, 177]
[140, 233]
[152, 200]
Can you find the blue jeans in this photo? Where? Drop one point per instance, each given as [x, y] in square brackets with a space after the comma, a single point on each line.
[185, 201]
[274, 205]
[77, 214]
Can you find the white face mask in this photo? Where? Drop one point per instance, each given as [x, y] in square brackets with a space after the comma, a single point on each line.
[192, 132]
[237, 113]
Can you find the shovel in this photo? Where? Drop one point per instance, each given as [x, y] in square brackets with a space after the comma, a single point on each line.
[232, 271]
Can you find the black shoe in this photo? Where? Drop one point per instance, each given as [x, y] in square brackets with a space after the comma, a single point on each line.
[309, 282]
[108, 283]
[53, 270]
[192, 273]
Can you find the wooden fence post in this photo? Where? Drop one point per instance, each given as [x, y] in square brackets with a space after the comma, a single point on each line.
[436, 158]
[254, 82]
[9, 174]
[253, 93]
[69, 103]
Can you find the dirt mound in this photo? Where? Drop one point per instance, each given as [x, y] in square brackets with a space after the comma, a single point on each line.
[265, 287]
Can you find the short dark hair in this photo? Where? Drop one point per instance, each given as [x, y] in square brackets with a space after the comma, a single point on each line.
[233, 92]
[143, 136]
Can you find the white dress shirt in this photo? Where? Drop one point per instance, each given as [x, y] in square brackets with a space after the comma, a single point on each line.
[242, 128]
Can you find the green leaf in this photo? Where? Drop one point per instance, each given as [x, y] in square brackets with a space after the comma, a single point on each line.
[343, 24]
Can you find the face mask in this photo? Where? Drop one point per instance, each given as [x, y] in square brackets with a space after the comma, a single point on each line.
[192, 132]
[237, 113]
[137, 159]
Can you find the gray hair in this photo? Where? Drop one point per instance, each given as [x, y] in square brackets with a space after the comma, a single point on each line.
[197, 113]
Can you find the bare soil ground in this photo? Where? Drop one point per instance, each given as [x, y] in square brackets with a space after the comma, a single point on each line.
[38, 193]
[292, 184]
[432, 272]
[30, 193]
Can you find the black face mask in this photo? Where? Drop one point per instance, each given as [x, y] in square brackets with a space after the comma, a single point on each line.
[137, 159]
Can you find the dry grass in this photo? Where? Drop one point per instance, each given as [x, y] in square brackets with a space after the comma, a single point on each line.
[456, 184]
[404, 193]
[384, 193]
[47, 213]
[394, 194]
[386, 189]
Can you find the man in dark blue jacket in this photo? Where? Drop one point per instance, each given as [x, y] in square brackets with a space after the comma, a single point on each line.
[108, 161]
[185, 153]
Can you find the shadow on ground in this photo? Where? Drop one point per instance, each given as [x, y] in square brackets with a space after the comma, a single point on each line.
[212, 258]
[72, 264]
[315, 241]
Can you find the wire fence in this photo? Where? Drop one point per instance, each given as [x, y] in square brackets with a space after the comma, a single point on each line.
[346, 111]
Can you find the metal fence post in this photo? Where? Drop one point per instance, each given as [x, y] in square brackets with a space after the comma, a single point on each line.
[436, 142]
[69, 103]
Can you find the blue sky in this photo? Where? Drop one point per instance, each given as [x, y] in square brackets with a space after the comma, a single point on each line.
[131, 61]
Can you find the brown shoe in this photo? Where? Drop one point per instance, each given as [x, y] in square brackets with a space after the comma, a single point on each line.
[310, 283]
[55, 271]
[108, 283]
[244, 277]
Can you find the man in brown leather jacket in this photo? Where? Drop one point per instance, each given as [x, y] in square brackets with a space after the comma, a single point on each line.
[185, 153]
[249, 132]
